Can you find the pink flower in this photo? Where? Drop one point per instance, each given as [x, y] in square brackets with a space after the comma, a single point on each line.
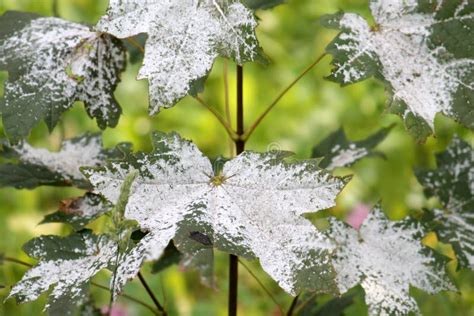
[117, 310]
[358, 215]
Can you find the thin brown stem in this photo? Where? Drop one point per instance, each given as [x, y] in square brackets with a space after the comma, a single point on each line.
[151, 294]
[292, 306]
[257, 122]
[134, 42]
[219, 117]
[262, 286]
[103, 287]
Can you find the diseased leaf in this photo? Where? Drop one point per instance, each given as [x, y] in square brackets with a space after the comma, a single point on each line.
[80, 211]
[52, 63]
[386, 258]
[262, 4]
[337, 151]
[66, 265]
[453, 183]
[309, 306]
[419, 49]
[252, 208]
[37, 166]
[184, 39]
[170, 256]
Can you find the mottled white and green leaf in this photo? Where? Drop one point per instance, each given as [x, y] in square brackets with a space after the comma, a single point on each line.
[262, 4]
[337, 150]
[66, 266]
[419, 49]
[184, 39]
[79, 212]
[251, 206]
[386, 258]
[30, 167]
[51, 63]
[453, 183]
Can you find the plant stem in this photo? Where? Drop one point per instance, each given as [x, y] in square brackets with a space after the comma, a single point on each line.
[55, 10]
[132, 41]
[17, 261]
[262, 286]
[239, 148]
[240, 141]
[100, 286]
[150, 292]
[257, 122]
[130, 298]
[219, 117]
[298, 309]
[227, 104]
[292, 306]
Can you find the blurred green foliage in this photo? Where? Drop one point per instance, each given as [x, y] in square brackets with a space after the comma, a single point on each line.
[292, 38]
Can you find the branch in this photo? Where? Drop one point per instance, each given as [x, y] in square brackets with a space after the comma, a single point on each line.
[131, 298]
[221, 120]
[262, 286]
[292, 306]
[150, 292]
[257, 122]
[227, 104]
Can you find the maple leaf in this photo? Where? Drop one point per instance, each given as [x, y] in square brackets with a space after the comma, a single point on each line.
[251, 206]
[66, 264]
[453, 183]
[386, 257]
[184, 39]
[262, 4]
[413, 49]
[52, 63]
[39, 166]
[337, 150]
[80, 211]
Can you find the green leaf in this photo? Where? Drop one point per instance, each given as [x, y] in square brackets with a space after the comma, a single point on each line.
[386, 258]
[252, 208]
[52, 63]
[453, 183]
[80, 211]
[262, 4]
[419, 49]
[170, 256]
[184, 39]
[309, 305]
[33, 167]
[66, 265]
[338, 151]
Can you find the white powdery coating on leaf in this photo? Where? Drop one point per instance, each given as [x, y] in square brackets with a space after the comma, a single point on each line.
[457, 220]
[66, 276]
[346, 156]
[72, 156]
[399, 44]
[385, 258]
[184, 38]
[256, 206]
[52, 47]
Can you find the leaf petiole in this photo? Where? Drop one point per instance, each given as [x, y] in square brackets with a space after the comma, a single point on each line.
[257, 122]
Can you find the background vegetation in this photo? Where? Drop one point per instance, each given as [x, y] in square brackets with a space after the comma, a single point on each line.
[292, 38]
